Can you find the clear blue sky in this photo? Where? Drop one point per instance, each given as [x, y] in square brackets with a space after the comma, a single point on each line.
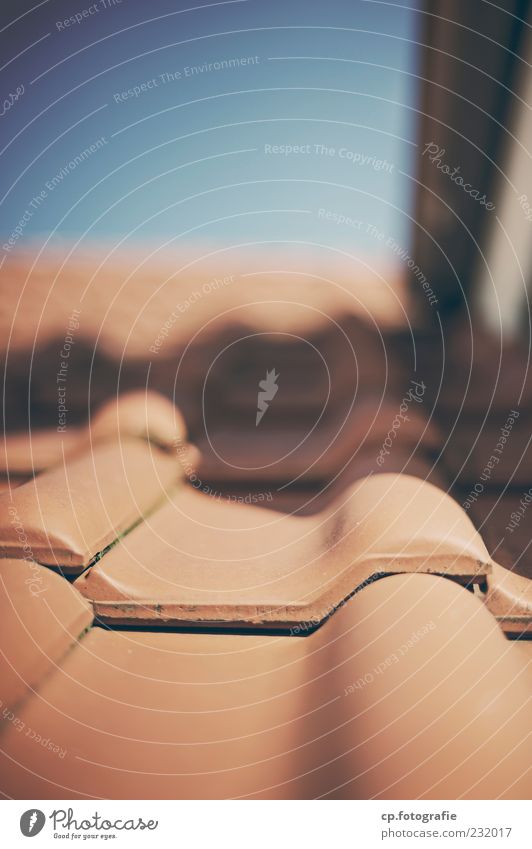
[310, 116]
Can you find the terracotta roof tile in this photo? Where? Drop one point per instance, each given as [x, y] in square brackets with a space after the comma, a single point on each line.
[202, 560]
[42, 615]
[141, 414]
[509, 598]
[70, 513]
[247, 712]
[29, 452]
[199, 716]
[501, 517]
[11, 482]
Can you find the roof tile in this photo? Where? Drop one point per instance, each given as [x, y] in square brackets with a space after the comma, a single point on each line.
[42, 615]
[332, 714]
[69, 514]
[202, 560]
[141, 414]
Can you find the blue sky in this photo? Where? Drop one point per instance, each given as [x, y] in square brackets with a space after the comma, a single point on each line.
[231, 122]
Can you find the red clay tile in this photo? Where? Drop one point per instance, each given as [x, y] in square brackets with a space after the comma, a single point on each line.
[41, 616]
[11, 482]
[501, 518]
[404, 693]
[145, 415]
[202, 560]
[509, 598]
[30, 452]
[142, 414]
[433, 712]
[417, 462]
[70, 513]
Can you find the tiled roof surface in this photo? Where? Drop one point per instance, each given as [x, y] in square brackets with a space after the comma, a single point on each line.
[251, 566]
[176, 715]
[295, 609]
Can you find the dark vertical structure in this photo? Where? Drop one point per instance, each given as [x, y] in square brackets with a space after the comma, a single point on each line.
[468, 67]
